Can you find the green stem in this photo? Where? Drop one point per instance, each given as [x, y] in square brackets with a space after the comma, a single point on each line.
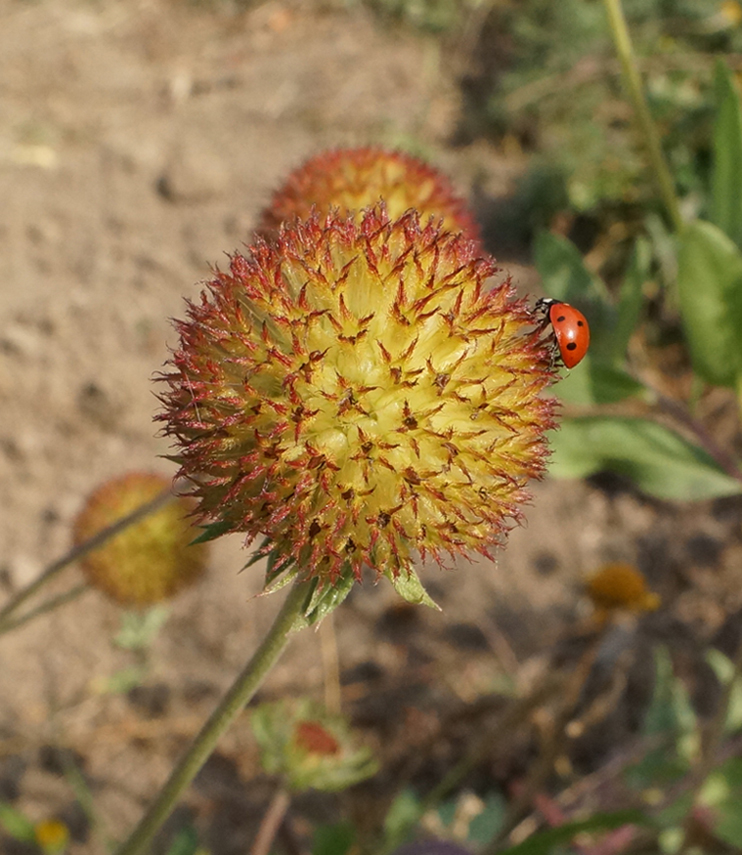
[242, 690]
[47, 606]
[633, 84]
[53, 570]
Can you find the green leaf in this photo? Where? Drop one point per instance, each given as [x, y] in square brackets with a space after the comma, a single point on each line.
[16, 824]
[212, 531]
[660, 462]
[408, 585]
[726, 179]
[563, 270]
[488, 823]
[598, 382]
[139, 629]
[543, 842]
[631, 297]
[670, 717]
[724, 669]
[402, 817]
[184, 843]
[565, 277]
[326, 599]
[710, 295]
[333, 839]
[722, 792]
[123, 681]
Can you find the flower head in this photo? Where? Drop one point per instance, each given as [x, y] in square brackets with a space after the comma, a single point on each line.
[151, 559]
[620, 587]
[309, 748]
[356, 395]
[52, 836]
[356, 178]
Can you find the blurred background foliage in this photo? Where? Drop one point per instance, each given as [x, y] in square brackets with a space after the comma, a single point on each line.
[542, 78]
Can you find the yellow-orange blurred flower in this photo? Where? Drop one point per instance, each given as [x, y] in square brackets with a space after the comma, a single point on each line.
[148, 561]
[620, 586]
[356, 178]
[52, 836]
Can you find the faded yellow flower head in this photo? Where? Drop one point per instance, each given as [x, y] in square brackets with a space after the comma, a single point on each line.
[151, 559]
[352, 179]
[356, 394]
[52, 836]
[620, 586]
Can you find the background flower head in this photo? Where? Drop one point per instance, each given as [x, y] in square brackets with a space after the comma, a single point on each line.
[151, 559]
[351, 179]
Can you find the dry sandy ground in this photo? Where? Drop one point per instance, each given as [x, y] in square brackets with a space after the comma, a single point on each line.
[138, 141]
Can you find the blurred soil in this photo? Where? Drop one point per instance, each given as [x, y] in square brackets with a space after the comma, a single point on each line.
[138, 141]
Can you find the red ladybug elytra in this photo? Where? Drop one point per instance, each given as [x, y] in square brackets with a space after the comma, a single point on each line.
[571, 329]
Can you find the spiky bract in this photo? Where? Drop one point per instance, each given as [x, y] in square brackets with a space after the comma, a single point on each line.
[151, 559]
[356, 395]
[356, 178]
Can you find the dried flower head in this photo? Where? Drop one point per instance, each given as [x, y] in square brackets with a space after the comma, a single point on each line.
[356, 178]
[356, 395]
[151, 559]
[620, 586]
[309, 748]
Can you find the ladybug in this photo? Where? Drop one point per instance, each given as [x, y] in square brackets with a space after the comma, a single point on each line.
[571, 330]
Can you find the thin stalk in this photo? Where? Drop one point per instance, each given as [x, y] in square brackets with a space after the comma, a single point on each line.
[330, 665]
[241, 691]
[47, 606]
[92, 543]
[632, 81]
[271, 823]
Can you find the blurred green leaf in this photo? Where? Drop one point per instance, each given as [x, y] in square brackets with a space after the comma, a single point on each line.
[726, 178]
[139, 629]
[543, 842]
[122, 681]
[671, 718]
[660, 462]
[566, 278]
[722, 792]
[184, 843]
[333, 839]
[488, 823]
[724, 669]
[597, 382]
[16, 824]
[401, 818]
[631, 297]
[710, 295]
[563, 270]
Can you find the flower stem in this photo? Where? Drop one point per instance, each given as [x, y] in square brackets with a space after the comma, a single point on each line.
[47, 606]
[632, 81]
[271, 823]
[242, 690]
[53, 570]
